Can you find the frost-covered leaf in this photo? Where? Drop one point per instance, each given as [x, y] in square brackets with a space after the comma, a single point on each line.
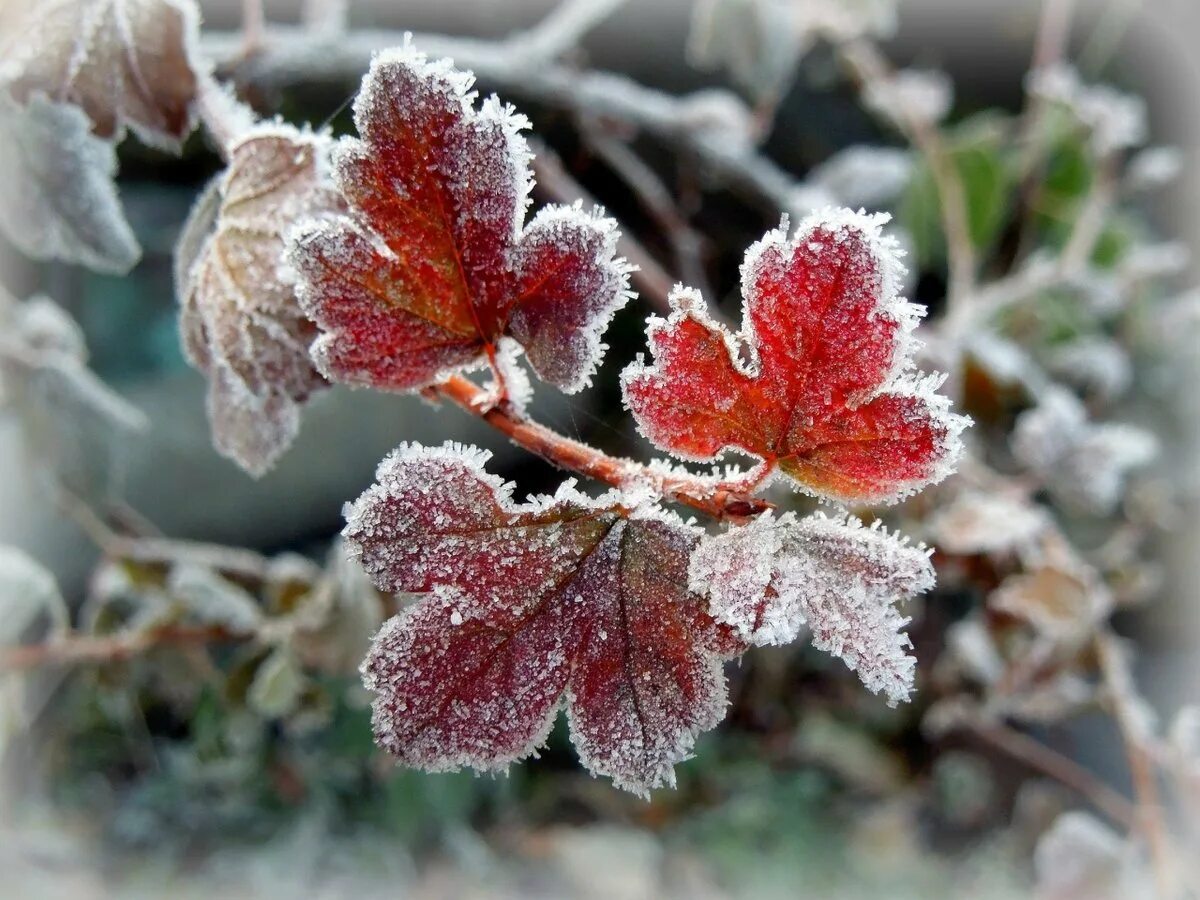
[862, 175]
[1154, 167]
[562, 600]
[75, 426]
[1117, 121]
[437, 262]
[1061, 601]
[987, 522]
[771, 577]
[123, 62]
[240, 320]
[826, 394]
[924, 95]
[59, 200]
[212, 599]
[1081, 858]
[29, 596]
[277, 685]
[1083, 464]
[1099, 366]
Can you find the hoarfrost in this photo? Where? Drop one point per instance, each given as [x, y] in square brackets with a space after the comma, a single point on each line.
[1116, 120]
[771, 577]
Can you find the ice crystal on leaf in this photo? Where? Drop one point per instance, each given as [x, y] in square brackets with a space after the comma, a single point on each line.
[562, 600]
[240, 320]
[436, 263]
[826, 395]
[770, 578]
[123, 62]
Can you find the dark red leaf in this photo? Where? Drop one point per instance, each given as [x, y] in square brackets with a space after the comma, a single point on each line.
[560, 600]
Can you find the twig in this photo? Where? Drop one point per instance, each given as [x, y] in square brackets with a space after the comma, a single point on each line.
[870, 67]
[254, 23]
[1151, 815]
[224, 116]
[709, 495]
[81, 648]
[1061, 768]
[1089, 221]
[553, 179]
[686, 244]
[563, 28]
[291, 55]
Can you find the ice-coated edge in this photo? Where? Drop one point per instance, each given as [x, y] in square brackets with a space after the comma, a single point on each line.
[618, 271]
[687, 302]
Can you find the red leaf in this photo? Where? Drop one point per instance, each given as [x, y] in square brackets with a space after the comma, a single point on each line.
[562, 599]
[437, 264]
[826, 394]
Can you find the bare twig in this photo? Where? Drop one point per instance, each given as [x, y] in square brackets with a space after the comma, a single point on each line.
[82, 648]
[254, 23]
[709, 495]
[686, 244]
[561, 30]
[1061, 768]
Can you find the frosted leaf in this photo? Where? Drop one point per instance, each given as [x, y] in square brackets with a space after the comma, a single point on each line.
[340, 616]
[74, 425]
[863, 175]
[828, 394]
[240, 321]
[1117, 121]
[1062, 601]
[1081, 858]
[924, 95]
[1154, 167]
[211, 599]
[987, 522]
[1095, 365]
[436, 262]
[59, 200]
[1082, 464]
[123, 62]
[278, 683]
[526, 607]
[29, 598]
[769, 578]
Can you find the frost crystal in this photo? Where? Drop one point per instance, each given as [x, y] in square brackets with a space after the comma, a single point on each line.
[827, 393]
[240, 321]
[1083, 464]
[436, 262]
[59, 200]
[526, 607]
[775, 575]
[123, 62]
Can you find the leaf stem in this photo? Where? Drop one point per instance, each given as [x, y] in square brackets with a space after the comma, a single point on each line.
[709, 495]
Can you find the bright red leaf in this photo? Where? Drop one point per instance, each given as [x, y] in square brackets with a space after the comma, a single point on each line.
[437, 262]
[818, 380]
[526, 606]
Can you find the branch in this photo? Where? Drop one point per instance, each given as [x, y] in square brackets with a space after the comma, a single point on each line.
[711, 496]
[291, 55]
[78, 648]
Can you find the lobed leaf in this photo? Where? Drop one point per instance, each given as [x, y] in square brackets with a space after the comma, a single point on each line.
[825, 394]
[773, 576]
[123, 62]
[240, 320]
[436, 263]
[560, 601]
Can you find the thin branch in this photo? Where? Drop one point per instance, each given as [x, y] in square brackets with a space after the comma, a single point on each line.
[561, 30]
[291, 55]
[254, 23]
[870, 67]
[224, 116]
[82, 648]
[709, 495]
[1061, 768]
[1151, 815]
[686, 244]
